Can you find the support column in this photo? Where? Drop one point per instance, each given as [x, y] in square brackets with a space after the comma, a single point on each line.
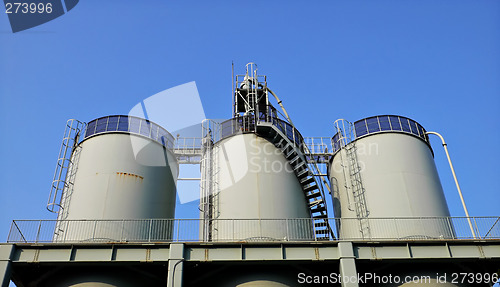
[347, 265]
[6, 252]
[175, 265]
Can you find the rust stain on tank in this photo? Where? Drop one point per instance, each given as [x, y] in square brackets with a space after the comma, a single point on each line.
[126, 174]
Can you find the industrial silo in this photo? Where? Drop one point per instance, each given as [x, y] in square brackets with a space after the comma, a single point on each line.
[255, 178]
[121, 185]
[384, 181]
[259, 197]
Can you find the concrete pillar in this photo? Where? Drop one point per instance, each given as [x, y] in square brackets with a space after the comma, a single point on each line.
[175, 265]
[348, 271]
[6, 252]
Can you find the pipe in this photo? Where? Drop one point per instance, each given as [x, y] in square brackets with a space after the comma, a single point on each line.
[456, 181]
[281, 105]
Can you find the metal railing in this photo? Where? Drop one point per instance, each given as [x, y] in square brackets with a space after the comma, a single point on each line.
[318, 149]
[319, 145]
[130, 125]
[188, 150]
[348, 132]
[243, 230]
[246, 124]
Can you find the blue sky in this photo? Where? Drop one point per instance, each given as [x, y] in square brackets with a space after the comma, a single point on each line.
[434, 61]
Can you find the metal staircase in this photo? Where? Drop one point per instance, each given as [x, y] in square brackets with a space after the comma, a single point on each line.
[310, 187]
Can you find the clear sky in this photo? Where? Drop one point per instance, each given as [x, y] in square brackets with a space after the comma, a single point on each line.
[436, 61]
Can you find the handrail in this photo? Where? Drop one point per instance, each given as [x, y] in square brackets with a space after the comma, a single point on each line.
[349, 132]
[247, 124]
[497, 221]
[237, 230]
[130, 125]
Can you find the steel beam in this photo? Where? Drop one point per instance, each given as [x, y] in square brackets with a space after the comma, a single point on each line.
[347, 270]
[6, 252]
[175, 265]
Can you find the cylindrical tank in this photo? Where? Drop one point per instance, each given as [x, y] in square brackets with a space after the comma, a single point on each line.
[123, 181]
[257, 195]
[385, 183]
[103, 276]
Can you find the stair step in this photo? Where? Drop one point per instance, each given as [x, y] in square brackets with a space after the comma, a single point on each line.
[320, 216]
[320, 224]
[275, 136]
[305, 171]
[323, 238]
[290, 154]
[318, 208]
[286, 147]
[326, 231]
[313, 195]
[280, 143]
[299, 165]
[315, 202]
[310, 187]
[295, 159]
[307, 180]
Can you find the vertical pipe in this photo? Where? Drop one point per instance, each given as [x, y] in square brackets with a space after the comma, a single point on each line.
[456, 181]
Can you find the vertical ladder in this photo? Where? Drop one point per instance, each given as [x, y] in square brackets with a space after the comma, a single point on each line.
[204, 207]
[352, 173]
[62, 182]
[357, 189]
[214, 190]
[209, 187]
[64, 175]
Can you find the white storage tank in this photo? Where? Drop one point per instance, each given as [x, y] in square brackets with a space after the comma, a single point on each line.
[384, 181]
[257, 195]
[122, 170]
